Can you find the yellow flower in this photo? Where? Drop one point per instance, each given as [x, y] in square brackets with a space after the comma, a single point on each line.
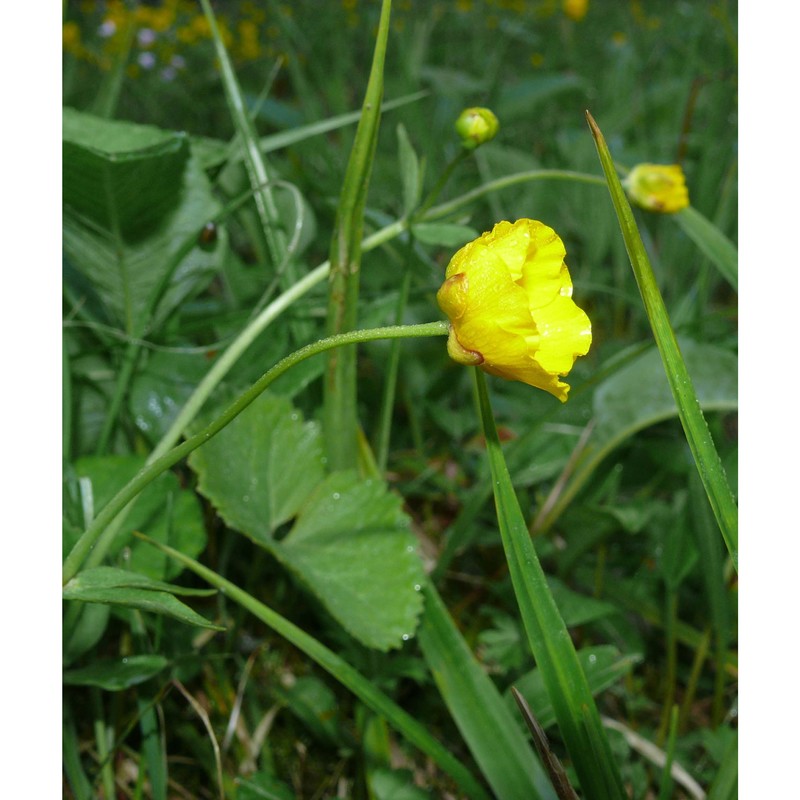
[657, 187]
[576, 9]
[508, 295]
[476, 126]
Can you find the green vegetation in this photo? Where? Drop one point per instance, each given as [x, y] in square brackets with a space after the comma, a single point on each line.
[306, 558]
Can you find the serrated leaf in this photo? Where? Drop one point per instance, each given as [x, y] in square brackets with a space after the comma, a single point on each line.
[93, 586]
[602, 665]
[446, 234]
[353, 547]
[116, 674]
[133, 196]
[258, 470]
[163, 511]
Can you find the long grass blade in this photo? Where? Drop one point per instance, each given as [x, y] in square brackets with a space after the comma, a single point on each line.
[257, 168]
[548, 636]
[349, 677]
[339, 413]
[694, 424]
[494, 737]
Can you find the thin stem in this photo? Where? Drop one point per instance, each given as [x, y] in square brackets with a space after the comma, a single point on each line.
[462, 155]
[148, 473]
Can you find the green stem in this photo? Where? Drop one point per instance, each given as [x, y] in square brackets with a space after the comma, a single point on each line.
[149, 472]
[129, 359]
[449, 207]
[462, 155]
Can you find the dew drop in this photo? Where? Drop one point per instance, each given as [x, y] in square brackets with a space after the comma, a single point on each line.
[246, 498]
[592, 658]
[336, 495]
[417, 587]
[409, 549]
[124, 660]
[294, 415]
[405, 637]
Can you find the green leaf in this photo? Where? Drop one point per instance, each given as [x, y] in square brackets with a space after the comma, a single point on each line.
[494, 734]
[314, 703]
[164, 511]
[115, 578]
[133, 197]
[409, 171]
[116, 674]
[351, 544]
[353, 547]
[638, 395]
[603, 666]
[396, 784]
[340, 419]
[712, 242]
[262, 786]
[97, 585]
[443, 233]
[260, 469]
[86, 633]
[578, 609]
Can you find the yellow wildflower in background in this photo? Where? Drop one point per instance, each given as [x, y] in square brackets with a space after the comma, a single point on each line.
[508, 295]
[657, 187]
[576, 9]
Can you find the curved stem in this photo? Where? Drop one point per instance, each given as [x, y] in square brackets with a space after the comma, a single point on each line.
[443, 209]
[149, 472]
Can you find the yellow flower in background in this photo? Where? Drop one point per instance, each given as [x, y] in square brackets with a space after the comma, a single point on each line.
[508, 295]
[657, 187]
[476, 126]
[576, 9]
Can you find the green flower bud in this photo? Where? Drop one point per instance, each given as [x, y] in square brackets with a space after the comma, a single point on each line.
[476, 126]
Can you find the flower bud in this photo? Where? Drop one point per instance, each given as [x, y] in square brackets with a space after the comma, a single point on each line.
[657, 187]
[508, 295]
[476, 126]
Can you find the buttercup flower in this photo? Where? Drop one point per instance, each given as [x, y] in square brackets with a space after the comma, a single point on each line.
[508, 295]
[576, 9]
[657, 187]
[476, 126]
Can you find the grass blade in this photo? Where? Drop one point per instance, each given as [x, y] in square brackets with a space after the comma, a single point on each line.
[494, 737]
[548, 636]
[341, 424]
[349, 677]
[254, 161]
[712, 242]
[694, 424]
